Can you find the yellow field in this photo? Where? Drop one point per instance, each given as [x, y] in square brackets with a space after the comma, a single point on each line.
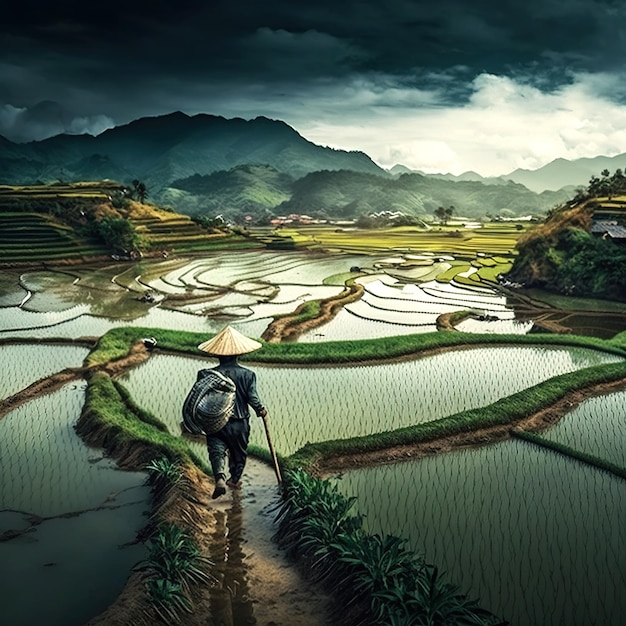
[491, 239]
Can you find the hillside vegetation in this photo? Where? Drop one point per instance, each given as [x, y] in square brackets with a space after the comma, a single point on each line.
[160, 150]
[264, 192]
[90, 220]
[205, 165]
[562, 255]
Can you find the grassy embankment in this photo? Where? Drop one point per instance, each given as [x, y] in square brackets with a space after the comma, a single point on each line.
[566, 450]
[509, 410]
[111, 420]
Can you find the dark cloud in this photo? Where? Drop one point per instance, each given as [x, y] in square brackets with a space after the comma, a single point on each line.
[126, 59]
[46, 119]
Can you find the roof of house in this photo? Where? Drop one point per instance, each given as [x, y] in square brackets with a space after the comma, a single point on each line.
[615, 231]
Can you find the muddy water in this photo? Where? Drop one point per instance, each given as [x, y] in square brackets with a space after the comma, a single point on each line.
[257, 584]
[67, 516]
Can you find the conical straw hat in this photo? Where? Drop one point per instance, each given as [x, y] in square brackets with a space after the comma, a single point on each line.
[229, 342]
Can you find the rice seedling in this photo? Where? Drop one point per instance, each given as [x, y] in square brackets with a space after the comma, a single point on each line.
[374, 578]
[173, 566]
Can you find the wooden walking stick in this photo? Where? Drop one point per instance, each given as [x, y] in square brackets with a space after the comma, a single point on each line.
[272, 451]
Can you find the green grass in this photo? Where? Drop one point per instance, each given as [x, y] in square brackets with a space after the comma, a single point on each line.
[503, 412]
[566, 450]
[117, 342]
[126, 424]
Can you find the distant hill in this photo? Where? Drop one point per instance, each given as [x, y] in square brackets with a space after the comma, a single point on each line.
[349, 194]
[561, 172]
[565, 256]
[556, 175]
[399, 169]
[205, 165]
[160, 150]
[77, 222]
[242, 189]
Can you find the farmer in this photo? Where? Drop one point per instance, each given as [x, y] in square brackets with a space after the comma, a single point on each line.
[232, 438]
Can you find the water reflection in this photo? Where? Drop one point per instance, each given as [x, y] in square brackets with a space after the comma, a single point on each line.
[67, 511]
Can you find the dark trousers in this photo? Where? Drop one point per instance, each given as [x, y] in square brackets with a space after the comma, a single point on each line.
[232, 439]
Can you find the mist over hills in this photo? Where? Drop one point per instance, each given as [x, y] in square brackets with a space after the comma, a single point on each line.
[205, 164]
[263, 191]
[553, 176]
[561, 172]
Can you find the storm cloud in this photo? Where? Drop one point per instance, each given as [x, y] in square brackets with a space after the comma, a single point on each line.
[445, 86]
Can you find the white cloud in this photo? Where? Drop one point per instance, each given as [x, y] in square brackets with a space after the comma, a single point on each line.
[505, 124]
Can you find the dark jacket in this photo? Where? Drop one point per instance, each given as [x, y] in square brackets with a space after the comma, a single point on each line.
[245, 383]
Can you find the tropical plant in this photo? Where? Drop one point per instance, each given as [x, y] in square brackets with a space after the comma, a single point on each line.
[168, 599]
[173, 565]
[118, 233]
[140, 191]
[163, 474]
[375, 579]
[443, 214]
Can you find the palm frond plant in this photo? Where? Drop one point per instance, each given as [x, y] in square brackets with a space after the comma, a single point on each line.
[428, 600]
[173, 565]
[376, 564]
[168, 599]
[163, 474]
[375, 579]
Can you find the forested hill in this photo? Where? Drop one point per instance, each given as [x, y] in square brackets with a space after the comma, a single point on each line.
[565, 256]
[159, 150]
[263, 192]
[350, 194]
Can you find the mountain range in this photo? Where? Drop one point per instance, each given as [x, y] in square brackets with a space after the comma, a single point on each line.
[204, 164]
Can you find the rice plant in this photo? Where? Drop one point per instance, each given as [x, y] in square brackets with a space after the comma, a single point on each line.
[375, 579]
[174, 565]
[163, 474]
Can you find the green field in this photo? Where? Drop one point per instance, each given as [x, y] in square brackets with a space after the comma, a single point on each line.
[55, 223]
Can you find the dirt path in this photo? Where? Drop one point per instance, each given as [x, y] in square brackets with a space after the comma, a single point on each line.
[259, 585]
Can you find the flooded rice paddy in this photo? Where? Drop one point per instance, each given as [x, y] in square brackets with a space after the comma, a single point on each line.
[66, 514]
[324, 403]
[246, 289]
[606, 439]
[538, 537]
[24, 364]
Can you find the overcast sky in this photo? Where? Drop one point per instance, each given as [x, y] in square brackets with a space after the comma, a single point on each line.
[441, 86]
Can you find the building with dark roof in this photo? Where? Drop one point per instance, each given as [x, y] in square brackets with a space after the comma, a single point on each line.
[609, 230]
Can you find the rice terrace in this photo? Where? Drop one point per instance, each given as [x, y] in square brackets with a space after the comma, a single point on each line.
[450, 435]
